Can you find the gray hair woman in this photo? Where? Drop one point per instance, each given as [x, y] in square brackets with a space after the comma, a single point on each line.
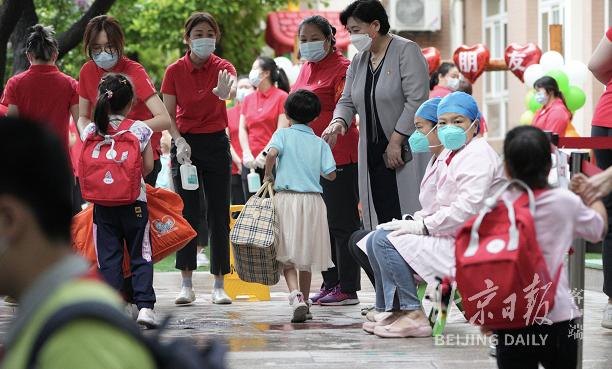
[385, 84]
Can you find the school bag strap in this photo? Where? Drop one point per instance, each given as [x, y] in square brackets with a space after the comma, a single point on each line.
[164, 355]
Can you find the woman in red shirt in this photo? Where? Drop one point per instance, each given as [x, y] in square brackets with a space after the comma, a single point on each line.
[324, 73]
[553, 115]
[601, 66]
[262, 113]
[194, 89]
[444, 81]
[243, 88]
[43, 93]
[104, 44]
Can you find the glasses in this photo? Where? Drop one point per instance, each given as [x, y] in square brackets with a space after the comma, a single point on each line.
[97, 49]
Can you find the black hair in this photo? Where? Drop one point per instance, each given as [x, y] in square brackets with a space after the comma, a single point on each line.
[41, 42]
[323, 25]
[442, 70]
[550, 85]
[45, 159]
[115, 92]
[302, 106]
[277, 75]
[465, 86]
[527, 156]
[367, 11]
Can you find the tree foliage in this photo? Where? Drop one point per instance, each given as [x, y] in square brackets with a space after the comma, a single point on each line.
[154, 29]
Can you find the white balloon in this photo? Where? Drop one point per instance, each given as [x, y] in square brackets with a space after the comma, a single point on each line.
[532, 74]
[577, 72]
[293, 73]
[283, 63]
[551, 60]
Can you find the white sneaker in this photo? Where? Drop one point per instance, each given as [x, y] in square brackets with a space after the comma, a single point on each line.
[606, 322]
[220, 297]
[186, 296]
[300, 308]
[147, 318]
[202, 260]
[131, 311]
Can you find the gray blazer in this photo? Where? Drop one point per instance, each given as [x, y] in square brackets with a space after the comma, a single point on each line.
[402, 87]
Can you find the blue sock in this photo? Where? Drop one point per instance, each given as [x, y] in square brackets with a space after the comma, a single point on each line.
[187, 283]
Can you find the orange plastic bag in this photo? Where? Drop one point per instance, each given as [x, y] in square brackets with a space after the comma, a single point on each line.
[169, 231]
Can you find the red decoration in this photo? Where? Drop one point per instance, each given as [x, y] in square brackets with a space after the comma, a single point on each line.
[519, 57]
[432, 55]
[471, 61]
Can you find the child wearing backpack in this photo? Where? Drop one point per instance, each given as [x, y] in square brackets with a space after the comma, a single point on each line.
[116, 156]
[304, 245]
[560, 217]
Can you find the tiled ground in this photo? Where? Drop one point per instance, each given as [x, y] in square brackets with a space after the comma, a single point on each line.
[260, 336]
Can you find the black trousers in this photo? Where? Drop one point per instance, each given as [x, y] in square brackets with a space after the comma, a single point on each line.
[210, 153]
[359, 256]
[77, 198]
[341, 198]
[604, 160]
[151, 178]
[560, 350]
[113, 226]
[237, 192]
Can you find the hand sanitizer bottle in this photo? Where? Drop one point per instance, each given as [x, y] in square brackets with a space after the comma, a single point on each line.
[189, 177]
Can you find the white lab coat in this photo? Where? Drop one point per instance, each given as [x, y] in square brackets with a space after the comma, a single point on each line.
[473, 173]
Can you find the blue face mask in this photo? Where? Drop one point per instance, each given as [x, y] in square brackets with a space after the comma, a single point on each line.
[453, 137]
[105, 60]
[418, 142]
[313, 51]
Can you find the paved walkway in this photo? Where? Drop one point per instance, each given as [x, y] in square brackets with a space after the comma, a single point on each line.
[260, 336]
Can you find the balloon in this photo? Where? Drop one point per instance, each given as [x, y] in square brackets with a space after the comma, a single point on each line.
[532, 74]
[471, 60]
[518, 57]
[432, 55]
[526, 117]
[283, 63]
[577, 72]
[551, 60]
[561, 78]
[293, 73]
[575, 98]
[528, 97]
[534, 105]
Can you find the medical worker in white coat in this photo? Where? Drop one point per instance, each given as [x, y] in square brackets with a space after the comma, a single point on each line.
[426, 246]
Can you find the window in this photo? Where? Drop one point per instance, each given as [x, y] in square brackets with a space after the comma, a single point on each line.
[551, 12]
[496, 90]
[608, 13]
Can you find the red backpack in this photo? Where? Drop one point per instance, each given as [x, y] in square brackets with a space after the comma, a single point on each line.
[501, 272]
[110, 167]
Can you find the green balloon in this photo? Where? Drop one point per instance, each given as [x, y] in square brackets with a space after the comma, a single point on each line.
[561, 78]
[528, 97]
[575, 98]
[533, 104]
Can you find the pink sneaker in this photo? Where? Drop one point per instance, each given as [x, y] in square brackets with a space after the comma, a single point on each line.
[404, 327]
[322, 293]
[338, 298]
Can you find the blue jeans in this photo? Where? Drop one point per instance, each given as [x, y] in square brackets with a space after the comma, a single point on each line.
[392, 274]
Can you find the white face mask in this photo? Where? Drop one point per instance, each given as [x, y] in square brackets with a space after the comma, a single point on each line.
[255, 77]
[453, 83]
[105, 60]
[541, 98]
[361, 41]
[241, 93]
[313, 51]
[203, 47]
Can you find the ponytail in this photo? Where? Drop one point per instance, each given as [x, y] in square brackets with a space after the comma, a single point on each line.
[101, 112]
[41, 42]
[115, 93]
[282, 81]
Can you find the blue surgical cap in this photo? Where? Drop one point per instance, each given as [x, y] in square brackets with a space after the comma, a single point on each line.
[429, 110]
[459, 103]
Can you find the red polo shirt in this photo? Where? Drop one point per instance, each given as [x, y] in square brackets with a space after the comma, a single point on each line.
[439, 91]
[261, 111]
[326, 79]
[90, 76]
[43, 93]
[603, 110]
[198, 110]
[555, 118]
[233, 124]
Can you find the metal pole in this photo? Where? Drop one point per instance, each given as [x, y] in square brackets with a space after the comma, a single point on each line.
[576, 261]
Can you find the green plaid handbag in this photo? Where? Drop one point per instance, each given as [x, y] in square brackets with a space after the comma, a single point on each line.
[254, 237]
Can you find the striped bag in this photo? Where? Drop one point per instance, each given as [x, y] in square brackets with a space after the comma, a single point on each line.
[254, 237]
